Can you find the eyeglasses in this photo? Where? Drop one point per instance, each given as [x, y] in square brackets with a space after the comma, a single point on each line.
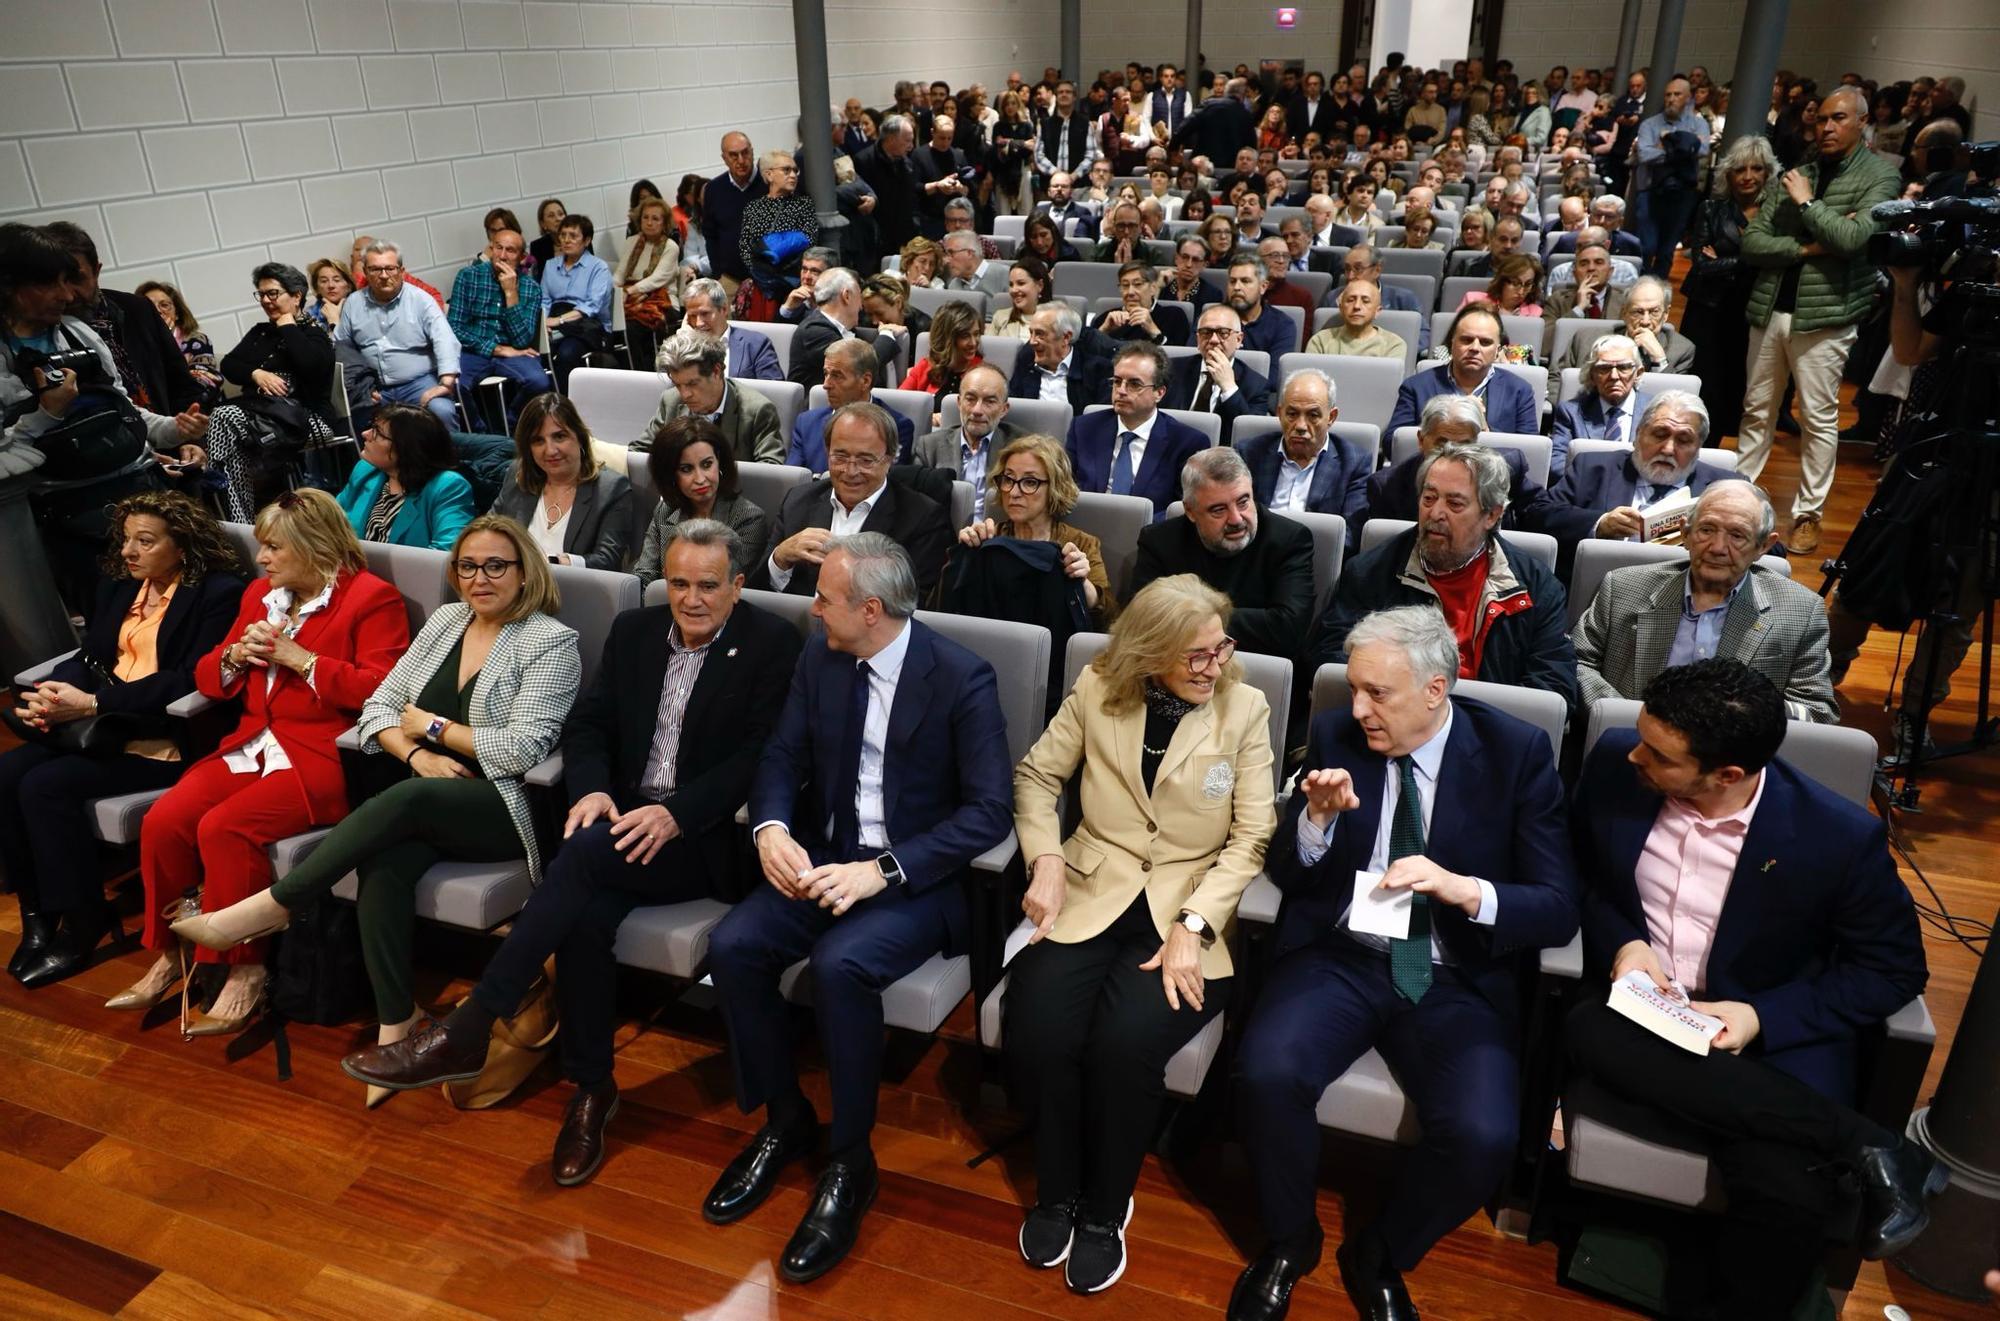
[491, 570]
[1616, 368]
[382, 270]
[1028, 485]
[1131, 383]
[268, 295]
[1216, 332]
[786, 169]
[859, 462]
[1197, 661]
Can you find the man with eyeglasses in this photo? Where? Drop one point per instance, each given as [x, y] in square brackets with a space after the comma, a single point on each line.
[856, 495]
[496, 312]
[1644, 311]
[403, 337]
[970, 451]
[1217, 382]
[1133, 449]
[722, 205]
[1648, 617]
[1608, 408]
[1140, 315]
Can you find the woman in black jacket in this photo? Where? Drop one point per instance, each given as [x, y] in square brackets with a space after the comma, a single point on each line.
[285, 368]
[173, 583]
[1717, 287]
[577, 510]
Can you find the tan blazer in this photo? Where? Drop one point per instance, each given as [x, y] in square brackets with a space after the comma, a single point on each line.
[1195, 843]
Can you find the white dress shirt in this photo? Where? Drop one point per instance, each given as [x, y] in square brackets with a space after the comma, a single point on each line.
[1141, 434]
[846, 522]
[1055, 383]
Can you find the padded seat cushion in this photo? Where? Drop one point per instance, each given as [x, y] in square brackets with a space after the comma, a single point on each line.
[669, 938]
[1629, 1149]
[1367, 1100]
[475, 895]
[919, 1002]
[116, 820]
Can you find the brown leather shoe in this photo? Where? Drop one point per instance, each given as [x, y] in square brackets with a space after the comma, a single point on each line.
[425, 1058]
[580, 1145]
[1803, 539]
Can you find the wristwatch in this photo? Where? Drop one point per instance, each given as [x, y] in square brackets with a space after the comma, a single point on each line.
[892, 871]
[1196, 923]
[434, 731]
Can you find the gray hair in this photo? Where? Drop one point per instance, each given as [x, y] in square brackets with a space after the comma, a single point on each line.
[1068, 322]
[688, 347]
[834, 284]
[1517, 189]
[878, 420]
[771, 158]
[381, 247]
[959, 238]
[1443, 409]
[1684, 402]
[959, 206]
[290, 278]
[711, 290]
[1657, 285]
[1215, 466]
[1767, 516]
[1420, 632]
[1366, 251]
[878, 567]
[858, 354]
[894, 125]
[1750, 149]
[1610, 202]
[1616, 341]
[1491, 478]
[1860, 98]
[708, 533]
[828, 258]
[1312, 374]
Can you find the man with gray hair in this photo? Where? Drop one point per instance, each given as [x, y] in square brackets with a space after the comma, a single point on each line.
[961, 217]
[693, 364]
[1815, 285]
[1415, 797]
[1066, 362]
[403, 337]
[1725, 600]
[816, 262]
[1643, 308]
[1668, 150]
[722, 204]
[751, 355]
[850, 378]
[887, 775]
[1608, 408]
[1263, 562]
[1447, 418]
[1507, 610]
[1304, 466]
[966, 268]
[884, 165]
[836, 315]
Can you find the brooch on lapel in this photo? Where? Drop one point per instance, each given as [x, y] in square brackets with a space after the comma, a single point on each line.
[730, 652]
[1221, 778]
[1768, 864]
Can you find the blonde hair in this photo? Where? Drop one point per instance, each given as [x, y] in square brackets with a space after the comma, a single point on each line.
[1153, 634]
[1049, 452]
[538, 586]
[312, 522]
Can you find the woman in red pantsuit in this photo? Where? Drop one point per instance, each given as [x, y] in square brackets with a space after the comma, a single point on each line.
[312, 640]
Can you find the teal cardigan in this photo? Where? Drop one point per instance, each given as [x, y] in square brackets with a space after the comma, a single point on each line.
[431, 516]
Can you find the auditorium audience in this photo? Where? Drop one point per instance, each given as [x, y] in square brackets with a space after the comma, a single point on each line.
[749, 353]
[496, 313]
[1644, 312]
[1140, 315]
[850, 370]
[1718, 283]
[1030, 489]
[1303, 466]
[954, 350]
[886, 306]
[1448, 418]
[404, 489]
[1474, 341]
[1363, 262]
[695, 472]
[694, 365]
[1355, 334]
[836, 315]
[1133, 448]
[574, 510]
[967, 268]
[970, 450]
[405, 341]
[576, 298]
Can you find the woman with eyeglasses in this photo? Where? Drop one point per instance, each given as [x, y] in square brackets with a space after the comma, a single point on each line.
[285, 369]
[310, 642]
[1033, 487]
[777, 229]
[478, 699]
[405, 490]
[1128, 956]
[1515, 289]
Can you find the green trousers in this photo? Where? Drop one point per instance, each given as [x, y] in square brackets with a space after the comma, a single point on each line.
[390, 841]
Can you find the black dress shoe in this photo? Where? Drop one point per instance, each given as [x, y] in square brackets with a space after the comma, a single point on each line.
[749, 1179]
[37, 930]
[1263, 1291]
[580, 1144]
[425, 1058]
[827, 1231]
[1373, 1285]
[1897, 1183]
[70, 950]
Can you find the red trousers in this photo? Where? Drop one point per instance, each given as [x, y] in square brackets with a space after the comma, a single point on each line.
[212, 829]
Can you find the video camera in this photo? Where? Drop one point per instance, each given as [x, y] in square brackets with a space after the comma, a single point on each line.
[1927, 232]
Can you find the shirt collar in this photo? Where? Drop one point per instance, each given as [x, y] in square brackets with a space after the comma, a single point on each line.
[722, 406]
[867, 503]
[278, 601]
[1687, 596]
[1429, 756]
[1307, 466]
[1144, 430]
[1060, 369]
[887, 664]
[1737, 822]
[675, 645]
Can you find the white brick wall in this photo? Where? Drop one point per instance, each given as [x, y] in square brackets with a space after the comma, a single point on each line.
[196, 138]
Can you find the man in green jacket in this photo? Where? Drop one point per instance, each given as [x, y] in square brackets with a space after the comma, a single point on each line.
[1814, 287]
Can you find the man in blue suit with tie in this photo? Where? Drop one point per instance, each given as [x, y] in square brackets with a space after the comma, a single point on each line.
[1724, 876]
[1134, 449]
[1455, 807]
[887, 775]
[751, 356]
[1610, 405]
[1305, 467]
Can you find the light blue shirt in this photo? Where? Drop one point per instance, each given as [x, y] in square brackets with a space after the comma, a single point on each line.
[1294, 483]
[1698, 634]
[972, 467]
[586, 286]
[1428, 758]
[1654, 127]
[404, 339]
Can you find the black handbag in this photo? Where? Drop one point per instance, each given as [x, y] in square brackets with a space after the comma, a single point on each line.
[102, 735]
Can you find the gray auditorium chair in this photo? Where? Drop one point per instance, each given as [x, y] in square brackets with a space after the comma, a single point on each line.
[1538, 544]
[766, 484]
[1116, 521]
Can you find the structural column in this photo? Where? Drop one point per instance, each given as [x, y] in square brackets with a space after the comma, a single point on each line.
[815, 107]
[1072, 41]
[1191, 69]
[1628, 37]
[1666, 49]
[1756, 64]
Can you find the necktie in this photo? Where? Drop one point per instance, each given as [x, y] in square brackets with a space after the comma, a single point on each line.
[1204, 396]
[1121, 464]
[1617, 422]
[1594, 309]
[1410, 958]
[846, 814]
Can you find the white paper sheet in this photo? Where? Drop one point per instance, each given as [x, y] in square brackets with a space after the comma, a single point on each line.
[1378, 912]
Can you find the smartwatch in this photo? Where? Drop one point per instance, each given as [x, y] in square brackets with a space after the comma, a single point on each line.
[892, 871]
[434, 731]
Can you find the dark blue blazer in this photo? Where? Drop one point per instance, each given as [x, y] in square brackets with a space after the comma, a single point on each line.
[1593, 486]
[1339, 482]
[1582, 418]
[1252, 397]
[1817, 934]
[1089, 377]
[1498, 816]
[197, 621]
[1093, 436]
[1511, 405]
[755, 358]
[1086, 219]
[807, 448]
[948, 781]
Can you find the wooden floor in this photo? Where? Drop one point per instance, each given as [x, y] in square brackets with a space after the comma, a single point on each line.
[144, 1177]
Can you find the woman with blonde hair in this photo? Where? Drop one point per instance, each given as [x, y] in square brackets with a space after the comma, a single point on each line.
[1032, 485]
[331, 283]
[651, 278]
[954, 350]
[478, 699]
[1129, 955]
[919, 262]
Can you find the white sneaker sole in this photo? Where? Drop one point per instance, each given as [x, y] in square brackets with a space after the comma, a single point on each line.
[1021, 1241]
[1112, 1278]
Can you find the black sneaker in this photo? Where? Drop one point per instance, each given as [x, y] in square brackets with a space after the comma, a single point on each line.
[1046, 1234]
[1097, 1256]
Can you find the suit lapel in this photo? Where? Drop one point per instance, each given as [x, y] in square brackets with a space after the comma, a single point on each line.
[1156, 446]
[913, 702]
[1744, 620]
[1759, 866]
[881, 518]
[1654, 629]
[1189, 734]
[580, 514]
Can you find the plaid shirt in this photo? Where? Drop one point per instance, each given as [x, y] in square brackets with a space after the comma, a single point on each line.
[480, 315]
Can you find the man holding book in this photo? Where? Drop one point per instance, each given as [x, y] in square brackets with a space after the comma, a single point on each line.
[1755, 896]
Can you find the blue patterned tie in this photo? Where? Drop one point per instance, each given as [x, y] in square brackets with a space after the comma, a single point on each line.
[846, 813]
[1121, 464]
[1410, 957]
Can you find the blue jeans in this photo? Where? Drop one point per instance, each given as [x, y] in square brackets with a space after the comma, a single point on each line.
[1663, 218]
[525, 379]
[409, 392]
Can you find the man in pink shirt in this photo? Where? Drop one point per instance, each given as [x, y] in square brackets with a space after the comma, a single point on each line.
[1728, 877]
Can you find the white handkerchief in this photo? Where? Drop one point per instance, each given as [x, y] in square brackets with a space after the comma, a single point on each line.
[1377, 912]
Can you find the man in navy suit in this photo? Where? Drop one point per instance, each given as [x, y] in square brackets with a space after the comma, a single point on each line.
[1134, 449]
[1474, 342]
[751, 356]
[1218, 382]
[1723, 875]
[1066, 361]
[887, 775]
[1458, 804]
[1305, 467]
[850, 379]
[1609, 407]
[836, 316]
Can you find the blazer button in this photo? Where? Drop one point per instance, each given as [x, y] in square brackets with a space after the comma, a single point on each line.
[1152, 827]
[1146, 866]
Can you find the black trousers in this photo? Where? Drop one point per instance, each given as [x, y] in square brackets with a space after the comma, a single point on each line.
[1776, 1142]
[588, 890]
[46, 845]
[1087, 1038]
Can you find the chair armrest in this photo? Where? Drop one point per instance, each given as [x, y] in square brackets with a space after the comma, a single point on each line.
[191, 705]
[743, 815]
[1912, 1023]
[1565, 962]
[995, 859]
[1260, 901]
[349, 739]
[34, 674]
[546, 773]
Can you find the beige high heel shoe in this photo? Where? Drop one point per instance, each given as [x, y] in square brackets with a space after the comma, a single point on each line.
[244, 1004]
[246, 920]
[388, 1034]
[155, 986]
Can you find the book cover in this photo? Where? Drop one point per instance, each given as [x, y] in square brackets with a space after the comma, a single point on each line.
[1638, 999]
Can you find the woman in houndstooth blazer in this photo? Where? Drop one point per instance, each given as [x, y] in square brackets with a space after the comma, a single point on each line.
[479, 698]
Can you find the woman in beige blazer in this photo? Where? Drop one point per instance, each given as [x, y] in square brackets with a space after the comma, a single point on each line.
[1129, 956]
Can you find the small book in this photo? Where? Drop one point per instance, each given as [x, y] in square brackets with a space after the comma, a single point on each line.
[1666, 521]
[1638, 999]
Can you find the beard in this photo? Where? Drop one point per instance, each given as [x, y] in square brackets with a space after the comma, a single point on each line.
[1227, 545]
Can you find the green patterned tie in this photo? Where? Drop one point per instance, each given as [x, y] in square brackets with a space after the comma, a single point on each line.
[1410, 957]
